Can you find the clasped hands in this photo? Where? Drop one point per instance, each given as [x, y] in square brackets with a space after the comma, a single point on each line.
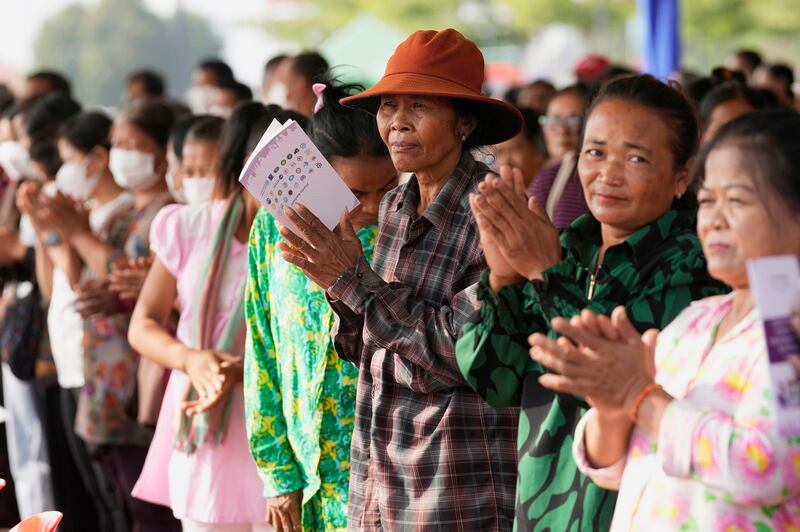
[603, 359]
[518, 239]
[213, 375]
[323, 255]
[56, 212]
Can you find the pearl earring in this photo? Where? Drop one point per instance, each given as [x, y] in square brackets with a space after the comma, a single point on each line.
[463, 138]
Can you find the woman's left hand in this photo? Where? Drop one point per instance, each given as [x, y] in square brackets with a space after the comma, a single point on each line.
[609, 373]
[322, 254]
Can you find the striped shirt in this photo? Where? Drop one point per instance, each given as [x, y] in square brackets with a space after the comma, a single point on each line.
[427, 452]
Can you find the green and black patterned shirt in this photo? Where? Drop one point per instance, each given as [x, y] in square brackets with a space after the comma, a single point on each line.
[655, 273]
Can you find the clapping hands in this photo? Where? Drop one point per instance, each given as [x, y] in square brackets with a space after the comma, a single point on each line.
[518, 239]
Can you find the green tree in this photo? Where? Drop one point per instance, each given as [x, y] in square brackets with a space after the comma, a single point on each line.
[97, 48]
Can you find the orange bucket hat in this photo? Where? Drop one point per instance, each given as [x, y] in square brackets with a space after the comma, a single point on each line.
[443, 63]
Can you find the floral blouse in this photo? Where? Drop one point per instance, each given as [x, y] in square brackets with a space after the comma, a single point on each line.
[719, 463]
[299, 395]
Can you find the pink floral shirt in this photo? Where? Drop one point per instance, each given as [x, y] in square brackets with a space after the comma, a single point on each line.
[719, 463]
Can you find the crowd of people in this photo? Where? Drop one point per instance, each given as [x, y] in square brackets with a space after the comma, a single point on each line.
[538, 317]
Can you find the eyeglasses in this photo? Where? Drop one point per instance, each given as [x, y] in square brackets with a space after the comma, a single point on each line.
[572, 122]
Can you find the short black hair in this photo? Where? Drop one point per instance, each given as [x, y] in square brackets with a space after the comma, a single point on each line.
[783, 72]
[47, 114]
[152, 81]
[208, 128]
[340, 131]
[310, 65]
[45, 152]
[179, 131]
[275, 61]
[729, 91]
[220, 68]
[769, 148]
[751, 57]
[57, 81]
[85, 131]
[153, 118]
[240, 137]
[239, 89]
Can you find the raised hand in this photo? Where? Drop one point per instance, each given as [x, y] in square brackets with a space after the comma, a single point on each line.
[322, 254]
[610, 373]
[517, 225]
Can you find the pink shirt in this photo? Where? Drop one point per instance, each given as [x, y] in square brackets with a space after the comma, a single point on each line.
[215, 484]
[720, 462]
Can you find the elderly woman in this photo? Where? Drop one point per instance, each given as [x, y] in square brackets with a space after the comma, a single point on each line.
[701, 444]
[426, 452]
[637, 248]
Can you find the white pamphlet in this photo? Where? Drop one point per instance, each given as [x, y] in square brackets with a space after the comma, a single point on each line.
[286, 169]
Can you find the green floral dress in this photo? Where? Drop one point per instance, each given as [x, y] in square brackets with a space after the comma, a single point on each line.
[299, 395]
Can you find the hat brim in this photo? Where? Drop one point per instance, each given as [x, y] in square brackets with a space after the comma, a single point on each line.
[498, 120]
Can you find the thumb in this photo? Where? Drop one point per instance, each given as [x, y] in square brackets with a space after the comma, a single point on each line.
[650, 339]
[346, 225]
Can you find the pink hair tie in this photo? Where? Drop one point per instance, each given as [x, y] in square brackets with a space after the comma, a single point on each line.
[319, 90]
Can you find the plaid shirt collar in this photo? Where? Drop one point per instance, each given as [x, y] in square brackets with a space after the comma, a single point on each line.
[440, 212]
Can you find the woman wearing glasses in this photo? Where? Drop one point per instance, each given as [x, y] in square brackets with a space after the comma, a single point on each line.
[557, 187]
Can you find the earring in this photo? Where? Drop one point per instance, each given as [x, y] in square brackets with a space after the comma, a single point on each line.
[463, 138]
[679, 195]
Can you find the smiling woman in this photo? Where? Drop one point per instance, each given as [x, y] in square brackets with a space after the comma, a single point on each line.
[637, 248]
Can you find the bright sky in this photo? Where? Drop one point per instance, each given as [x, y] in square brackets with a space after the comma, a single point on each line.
[245, 49]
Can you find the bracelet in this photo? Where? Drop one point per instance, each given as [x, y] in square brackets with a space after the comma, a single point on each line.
[644, 394]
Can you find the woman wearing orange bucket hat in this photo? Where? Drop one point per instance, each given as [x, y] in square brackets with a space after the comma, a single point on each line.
[427, 452]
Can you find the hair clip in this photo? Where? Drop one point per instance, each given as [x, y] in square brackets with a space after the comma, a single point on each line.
[319, 90]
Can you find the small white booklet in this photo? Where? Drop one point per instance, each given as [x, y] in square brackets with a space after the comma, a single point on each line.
[286, 168]
[775, 285]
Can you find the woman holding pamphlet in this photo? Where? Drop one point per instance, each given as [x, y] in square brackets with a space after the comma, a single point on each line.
[201, 260]
[687, 423]
[427, 452]
[299, 396]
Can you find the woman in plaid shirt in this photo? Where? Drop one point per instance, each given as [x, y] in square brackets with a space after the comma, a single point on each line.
[427, 452]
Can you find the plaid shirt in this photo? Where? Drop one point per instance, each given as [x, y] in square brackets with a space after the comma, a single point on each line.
[426, 451]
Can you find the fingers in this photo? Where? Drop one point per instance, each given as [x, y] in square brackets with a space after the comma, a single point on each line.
[607, 329]
[560, 384]
[487, 221]
[557, 355]
[292, 239]
[588, 321]
[619, 318]
[563, 327]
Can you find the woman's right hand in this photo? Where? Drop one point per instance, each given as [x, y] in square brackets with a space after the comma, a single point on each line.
[284, 512]
[204, 369]
[501, 273]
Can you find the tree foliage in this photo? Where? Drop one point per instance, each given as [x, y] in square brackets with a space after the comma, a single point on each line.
[98, 47]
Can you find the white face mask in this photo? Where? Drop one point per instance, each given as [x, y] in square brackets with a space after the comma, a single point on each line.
[220, 111]
[132, 169]
[16, 161]
[198, 189]
[175, 192]
[72, 180]
[201, 98]
[277, 95]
